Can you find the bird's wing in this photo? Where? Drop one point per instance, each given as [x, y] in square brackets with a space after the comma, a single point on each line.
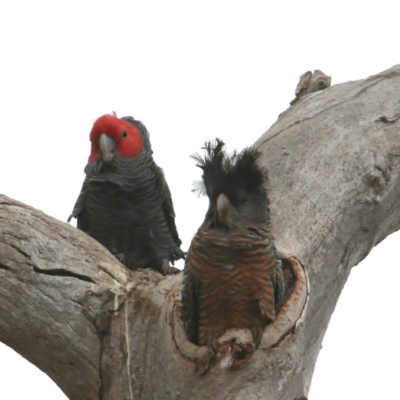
[190, 304]
[168, 206]
[79, 210]
[278, 281]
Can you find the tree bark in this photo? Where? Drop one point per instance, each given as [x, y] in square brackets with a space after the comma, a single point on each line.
[103, 332]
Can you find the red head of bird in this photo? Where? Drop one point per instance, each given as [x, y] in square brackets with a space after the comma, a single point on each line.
[114, 137]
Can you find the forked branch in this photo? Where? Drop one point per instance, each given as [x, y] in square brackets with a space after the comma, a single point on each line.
[103, 332]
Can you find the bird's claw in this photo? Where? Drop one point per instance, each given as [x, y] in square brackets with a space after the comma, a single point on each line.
[167, 269]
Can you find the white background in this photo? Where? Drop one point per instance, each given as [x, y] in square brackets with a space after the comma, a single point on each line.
[190, 71]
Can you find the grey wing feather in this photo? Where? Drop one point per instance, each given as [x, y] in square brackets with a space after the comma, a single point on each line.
[190, 311]
[169, 213]
[278, 281]
[79, 210]
[168, 205]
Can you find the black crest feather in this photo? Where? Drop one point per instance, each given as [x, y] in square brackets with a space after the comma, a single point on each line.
[222, 171]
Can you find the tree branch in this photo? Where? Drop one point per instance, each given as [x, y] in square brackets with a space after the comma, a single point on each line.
[103, 332]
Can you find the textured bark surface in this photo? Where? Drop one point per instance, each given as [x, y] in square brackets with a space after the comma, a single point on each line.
[102, 332]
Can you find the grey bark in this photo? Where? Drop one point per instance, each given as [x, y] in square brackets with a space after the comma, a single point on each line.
[103, 332]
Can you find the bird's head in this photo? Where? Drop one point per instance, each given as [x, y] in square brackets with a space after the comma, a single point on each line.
[114, 137]
[235, 185]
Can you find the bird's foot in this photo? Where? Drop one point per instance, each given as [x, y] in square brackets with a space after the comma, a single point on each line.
[167, 269]
[236, 346]
[176, 254]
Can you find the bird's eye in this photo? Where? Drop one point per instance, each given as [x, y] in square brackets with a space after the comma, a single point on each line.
[124, 134]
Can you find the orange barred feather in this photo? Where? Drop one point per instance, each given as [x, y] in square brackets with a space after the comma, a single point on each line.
[232, 276]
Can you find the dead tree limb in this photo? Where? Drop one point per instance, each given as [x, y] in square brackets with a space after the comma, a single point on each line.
[103, 332]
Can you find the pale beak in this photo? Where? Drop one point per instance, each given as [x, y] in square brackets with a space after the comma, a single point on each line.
[107, 148]
[224, 209]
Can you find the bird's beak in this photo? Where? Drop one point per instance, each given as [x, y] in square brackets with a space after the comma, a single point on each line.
[224, 209]
[107, 148]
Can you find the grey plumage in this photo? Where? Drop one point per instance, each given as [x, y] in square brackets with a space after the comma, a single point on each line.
[127, 206]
